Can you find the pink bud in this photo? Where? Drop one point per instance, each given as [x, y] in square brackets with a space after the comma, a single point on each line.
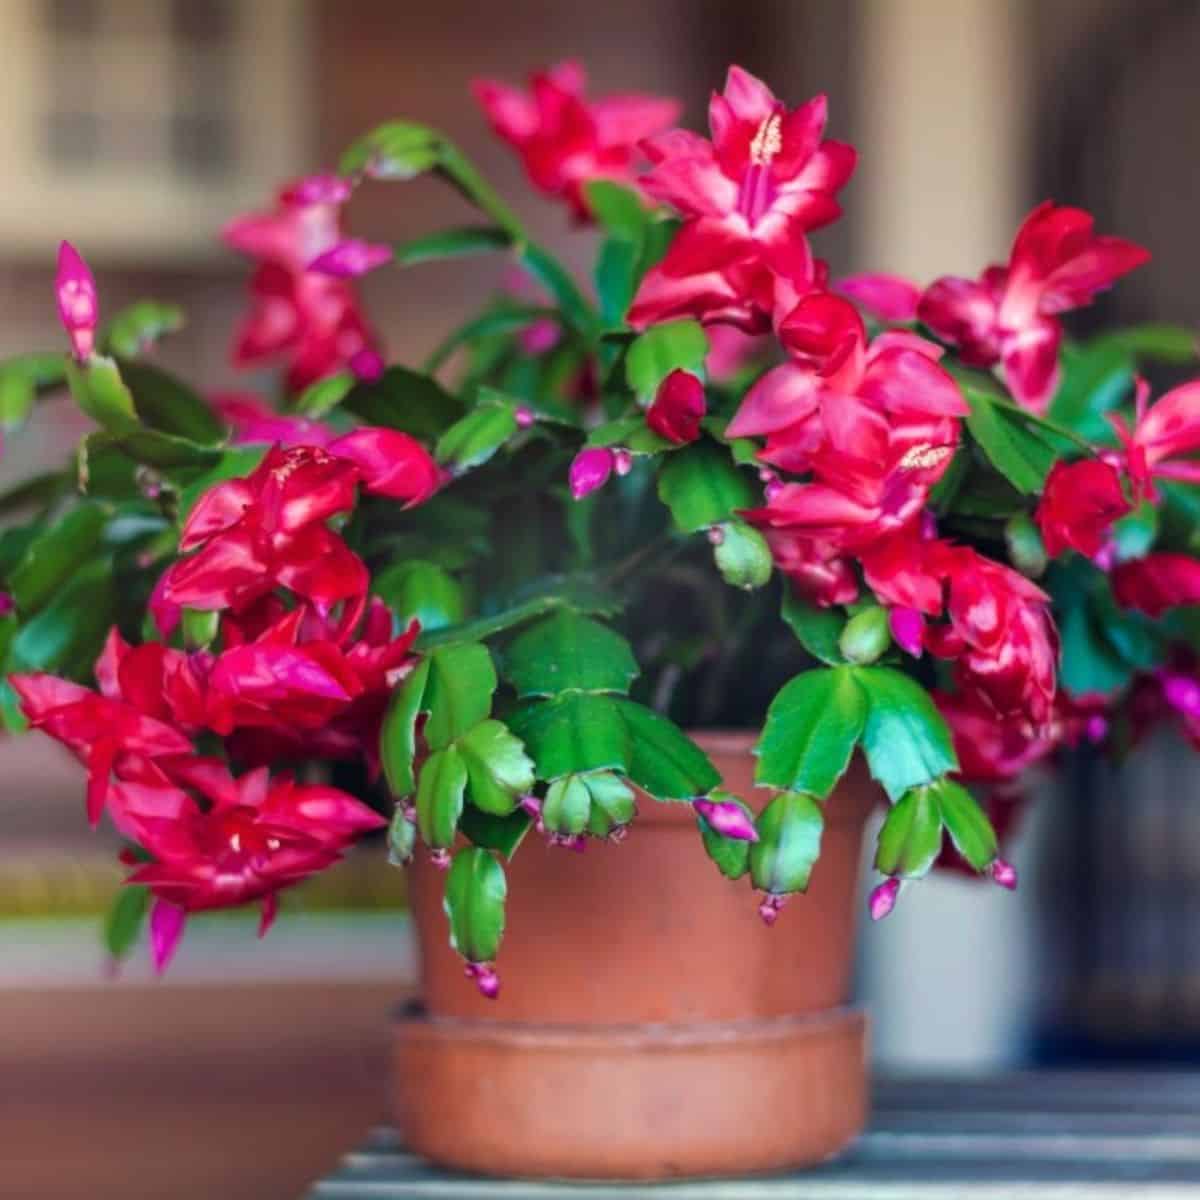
[367, 365]
[7, 604]
[590, 470]
[622, 461]
[772, 490]
[525, 416]
[440, 858]
[318, 189]
[770, 908]
[1005, 874]
[568, 841]
[541, 336]
[618, 834]
[883, 899]
[486, 979]
[765, 474]
[728, 819]
[716, 535]
[908, 629]
[166, 928]
[78, 305]
[929, 529]
[1095, 728]
[410, 813]
[350, 258]
[1182, 693]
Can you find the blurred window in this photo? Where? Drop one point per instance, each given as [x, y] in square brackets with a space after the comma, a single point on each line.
[139, 125]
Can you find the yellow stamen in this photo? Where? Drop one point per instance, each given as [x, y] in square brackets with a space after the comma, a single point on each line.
[919, 458]
[767, 142]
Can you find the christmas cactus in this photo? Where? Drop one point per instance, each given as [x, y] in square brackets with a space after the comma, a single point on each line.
[473, 601]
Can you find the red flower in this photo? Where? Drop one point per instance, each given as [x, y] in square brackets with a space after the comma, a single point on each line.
[990, 750]
[1161, 434]
[390, 464]
[564, 139]
[1079, 505]
[678, 408]
[253, 422]
[1157, 582]
[308, 318]
[885, 297]
[816, 569]
[749, 197]
[1009, 315]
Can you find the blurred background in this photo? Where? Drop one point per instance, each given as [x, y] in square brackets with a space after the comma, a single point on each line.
[137, 127]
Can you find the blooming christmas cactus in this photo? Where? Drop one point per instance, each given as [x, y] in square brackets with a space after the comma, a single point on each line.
[471, 602]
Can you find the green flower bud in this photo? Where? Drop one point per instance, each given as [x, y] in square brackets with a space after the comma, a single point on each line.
[1025, 549]
[866, 635]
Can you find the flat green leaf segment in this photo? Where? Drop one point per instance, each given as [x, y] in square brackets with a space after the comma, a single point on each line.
[653, 355]
[789, 843]
[911, 837]
[569, 652]
[575, 732]
[819, 629]
[702, 487]
[476, 891]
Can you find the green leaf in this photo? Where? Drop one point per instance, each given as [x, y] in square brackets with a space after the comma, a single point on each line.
[54, 556]
[569, 652]
[398, 737]
[402, 837]
[1018, 453]
[502, 834]
[732, 855]
[325, 394]
[509, 319]
[66, 635]
[21, 380]
[440, 792]
[612, 803]
[126, 915]
[1173, 344]
[473, 439]
[458, 696]
[966, 823]
[617, 209]
[406, 400]
[653, 355]
[663, 760]
[577, 732]
[789, 843]
[702, 487]
[1096, 378]
[819, 629]
[100, 392]
[906, 739]
[1089, 663]
[463, 242]
[136, 328]
[423, 590]
[141, 447]
[200, 628]
[476, 891]
[812, 727]
[566, 806]
[550, 273]
[498, 769]
[615, 280]
[911, 836]
[399, 150]
[742, 555]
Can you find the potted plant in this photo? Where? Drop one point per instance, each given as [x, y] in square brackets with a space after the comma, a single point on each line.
[912, 540]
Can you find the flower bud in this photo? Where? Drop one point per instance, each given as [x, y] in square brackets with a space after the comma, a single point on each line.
[770, 907]
[78, 305]
[866, 635]
[367, 365]
[908, 629]
[350, 258]
[7, 604]
[1025, 548]
[622, 461]
[486, 978]
[883, 899]
[524, 416]
[590, 470]
[715, 535]
[440, 858]
[1005, 874]
[728, 819]
[319, 189]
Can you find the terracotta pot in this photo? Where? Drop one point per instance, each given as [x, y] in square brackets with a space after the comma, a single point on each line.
[649, 1025]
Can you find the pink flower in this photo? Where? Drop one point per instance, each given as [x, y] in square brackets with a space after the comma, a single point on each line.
[350, 258]
[390, 463]
[253, 422]
[1157, 582]
[305, 317]
[678, 408]
[1010, 314]
[1161, 435]
[819, 572]
[78, 305]
[1080, 502]
[888, 298]
[749, 197]
[564, 139]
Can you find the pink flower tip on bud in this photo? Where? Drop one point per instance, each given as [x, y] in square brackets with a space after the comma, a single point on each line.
[440, 858]
[319, 189]
[590, 469]
[486, 979]
[367, 365]
[7, 604]
[622, 462]
[1005, 874]
[350, 258]
[770, 908]
[524, 416]
[773, 488]
[728, 819]
[908, 629]
[716, 535]
[78, 305]
[883, 899]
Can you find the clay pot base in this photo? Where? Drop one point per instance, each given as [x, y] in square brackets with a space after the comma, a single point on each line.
[630, 1101]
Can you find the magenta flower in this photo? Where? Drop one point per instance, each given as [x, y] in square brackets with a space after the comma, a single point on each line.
[252, 421]
[564, 139]
[1157, 582]
[1162, 434]
[1010, 314]
[78, 304]
[678, 408]
[351, 258]
[1079, 504]
[590, 469]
